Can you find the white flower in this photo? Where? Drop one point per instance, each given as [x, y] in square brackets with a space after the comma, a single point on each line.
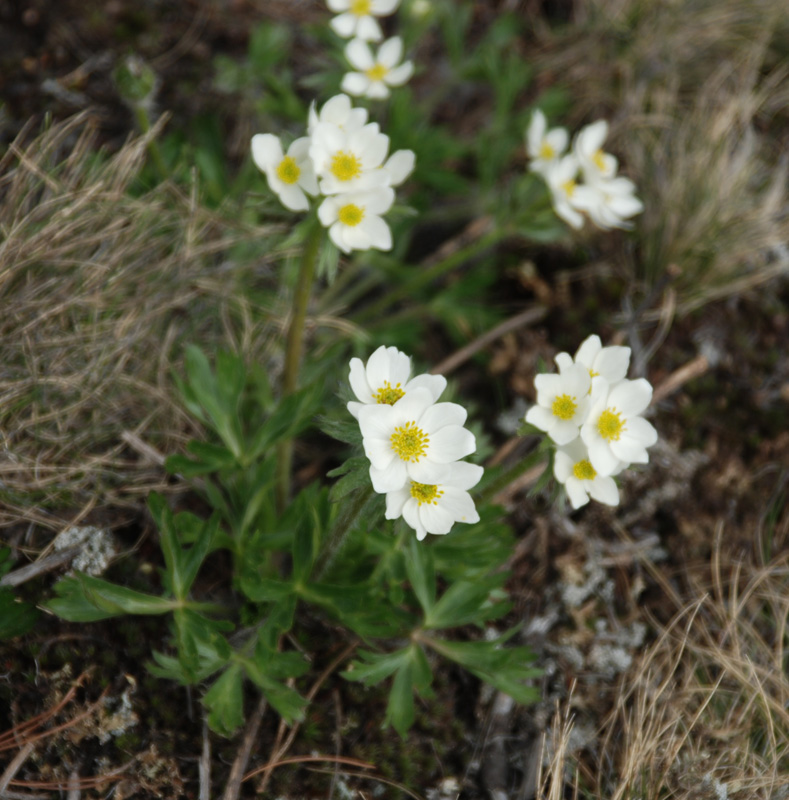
[356, 17]
[354, 220]
[614, 431]
[594, 163]
[572, 468]
[415, 439]
[544, 147]
[399, 165]
[609, 203]
[339, 111]
[384, 379]
[609, 362]
[561, 175]
[562, 403]
[291, 175]
[434, 508]
[349, 161]
[376, 74]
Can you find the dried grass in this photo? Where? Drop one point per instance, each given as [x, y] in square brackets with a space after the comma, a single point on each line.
[696, 92]
[705, 712]
[100, 290]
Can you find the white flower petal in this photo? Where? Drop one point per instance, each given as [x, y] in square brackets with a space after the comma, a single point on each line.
[631, 397]
[355, 83]
[562, 466]
[427, 471]
[576, 492]
[378, 232]
[399, 166]
[359, 55]
[292, 196]
[601, 457]
[442, 414]
[390, 52]
[563, 361]
[379, 452]
[435, 519]
[368, 29]
[463, 475]
[540, 417]
[395, 502]
[266, 151]
[411, 406]
[450, 443]
[612, 363]
[563, 431]
[629, 450]
[397, 76]
[411, 516]
[377, 90]
[378, 420]
[382, 8]
[391, 479]
[588, 351]
[638, 428]
[344, 25]
[435, 384]
[604, 490]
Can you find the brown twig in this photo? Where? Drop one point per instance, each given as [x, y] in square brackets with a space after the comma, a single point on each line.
[527, 317]
[272, 765]
[14, 767]
[30, 571]
[693, 369]
[204, 767]
[280, 750]
[242, 757]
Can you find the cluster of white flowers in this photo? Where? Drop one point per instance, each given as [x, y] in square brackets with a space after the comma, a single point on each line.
[593, 413]
[583, 180]
[344, 158]
[414, 443]
[375, 73]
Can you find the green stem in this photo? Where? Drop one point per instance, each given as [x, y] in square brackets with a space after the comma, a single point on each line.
[293, 348]
[144, 122]
[424, 277]
[346, 520]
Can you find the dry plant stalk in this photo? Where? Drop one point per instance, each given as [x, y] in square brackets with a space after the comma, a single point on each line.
[694, 91]
[101, 287]
[709, 704]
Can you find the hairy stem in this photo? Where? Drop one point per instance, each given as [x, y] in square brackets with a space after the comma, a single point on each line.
[293, 348]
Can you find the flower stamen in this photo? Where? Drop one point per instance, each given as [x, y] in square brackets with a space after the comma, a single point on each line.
[598, 160]
[377, 72]
[584, 471]
[610, 425]
[350, 215]
[568, 187]
[360, 7]
[564, 407]
[425, 493]
[409, 442]
[288, 171]
[546, 151]
[388, 394]
[345, 166]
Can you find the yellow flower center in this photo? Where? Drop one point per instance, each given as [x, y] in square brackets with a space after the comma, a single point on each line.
[564, 407]
[598, 160]
[288, 171]
[568, 187]
[351, 215]
[425, 493]
[388, 394]
[360, 7]
[546, 151]
[345, 166]
[584, 471]
[409, 442]
[610, 425]
[377, 72]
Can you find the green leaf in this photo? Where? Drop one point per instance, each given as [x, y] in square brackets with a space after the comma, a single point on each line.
[73, 605]
[16, 617]
[291, 416]
[265, 590]
[114, 599]
[355, 474]
[465, 603]
[286, 701]
[224, 701]
[375, 667]
[400, 708]
[348, 432]
[421, 573]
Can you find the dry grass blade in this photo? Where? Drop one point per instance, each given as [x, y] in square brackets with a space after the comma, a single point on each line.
[101, 288]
